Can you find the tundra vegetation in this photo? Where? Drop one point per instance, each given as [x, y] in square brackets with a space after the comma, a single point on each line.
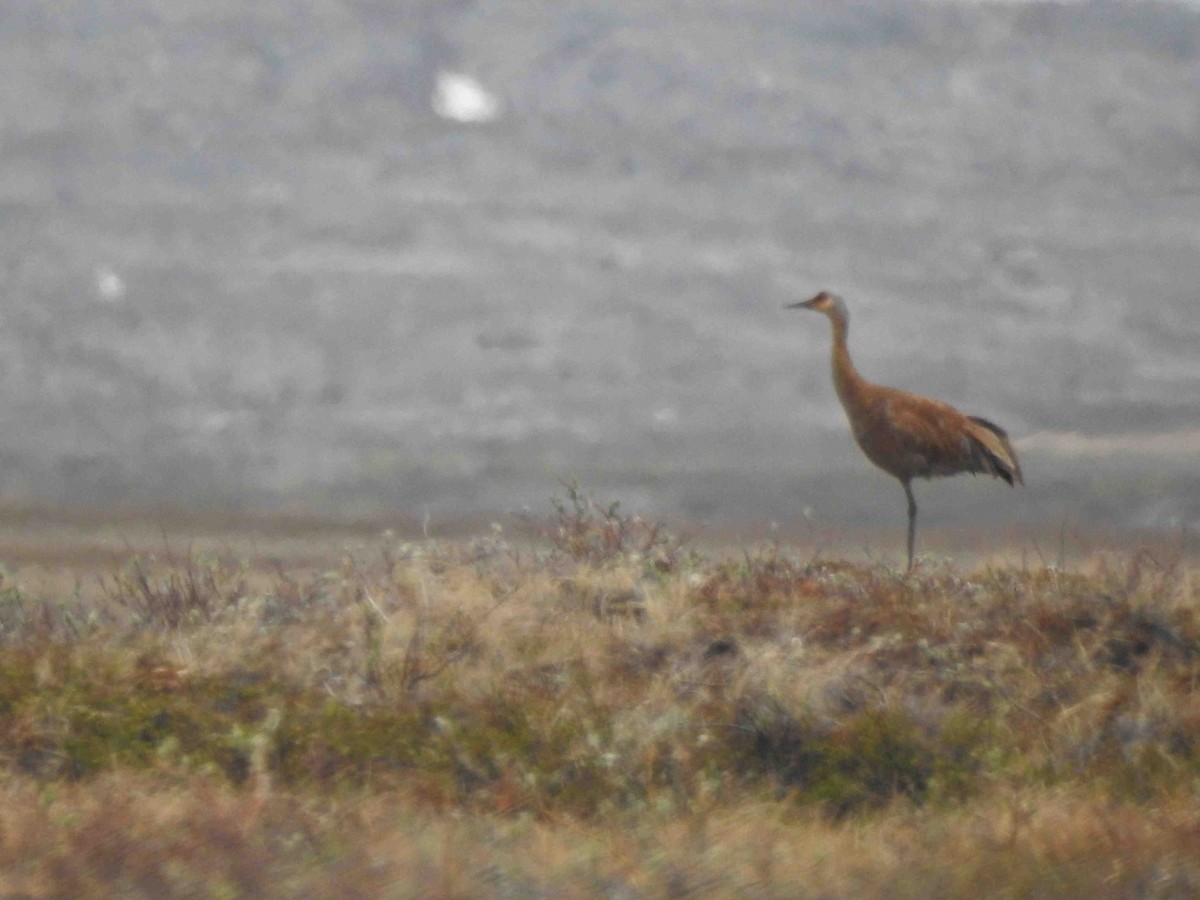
[600, 710]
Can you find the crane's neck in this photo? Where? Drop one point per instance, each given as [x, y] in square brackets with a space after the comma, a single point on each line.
[846, 380]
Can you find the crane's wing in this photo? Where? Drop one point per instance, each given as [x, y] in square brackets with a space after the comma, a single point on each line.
[936, 439]
[995, 445]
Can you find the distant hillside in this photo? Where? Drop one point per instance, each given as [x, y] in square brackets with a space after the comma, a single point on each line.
[245, 263]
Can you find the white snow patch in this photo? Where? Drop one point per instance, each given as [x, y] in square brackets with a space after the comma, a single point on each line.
[461, 98]
[668, 415]
[110, 287]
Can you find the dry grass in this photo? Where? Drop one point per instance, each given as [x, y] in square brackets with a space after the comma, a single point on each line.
[152, 835]
[601, 713]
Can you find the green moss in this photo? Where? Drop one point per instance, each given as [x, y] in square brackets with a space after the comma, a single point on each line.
[870, 759]
[323, 740]
[966, 746]
[863, 761]
[64, 719]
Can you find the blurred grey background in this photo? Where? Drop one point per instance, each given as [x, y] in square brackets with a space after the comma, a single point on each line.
[352, 256]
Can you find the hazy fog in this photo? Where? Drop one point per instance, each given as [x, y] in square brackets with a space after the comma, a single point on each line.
[352, 257]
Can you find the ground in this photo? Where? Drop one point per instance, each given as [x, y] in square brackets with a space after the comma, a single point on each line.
[587, 704]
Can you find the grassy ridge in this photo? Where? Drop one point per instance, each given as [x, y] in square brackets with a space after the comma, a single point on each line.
[603, 712]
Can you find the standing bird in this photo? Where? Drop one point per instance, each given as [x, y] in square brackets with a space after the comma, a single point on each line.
[909, 436]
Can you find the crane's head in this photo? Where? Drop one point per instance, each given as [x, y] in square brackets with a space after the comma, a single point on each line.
[825, 302]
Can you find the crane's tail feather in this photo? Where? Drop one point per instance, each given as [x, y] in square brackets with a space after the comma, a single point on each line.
[998, 456]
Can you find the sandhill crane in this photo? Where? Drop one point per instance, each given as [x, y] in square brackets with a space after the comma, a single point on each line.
[909, 436]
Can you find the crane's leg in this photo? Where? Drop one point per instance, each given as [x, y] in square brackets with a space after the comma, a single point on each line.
[912, 522]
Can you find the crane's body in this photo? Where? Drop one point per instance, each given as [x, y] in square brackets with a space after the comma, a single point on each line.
[906, 435]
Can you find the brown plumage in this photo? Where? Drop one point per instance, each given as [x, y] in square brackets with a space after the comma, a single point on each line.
[909, 436]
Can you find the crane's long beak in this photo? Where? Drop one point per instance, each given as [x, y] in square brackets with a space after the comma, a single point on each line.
[803, 304]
